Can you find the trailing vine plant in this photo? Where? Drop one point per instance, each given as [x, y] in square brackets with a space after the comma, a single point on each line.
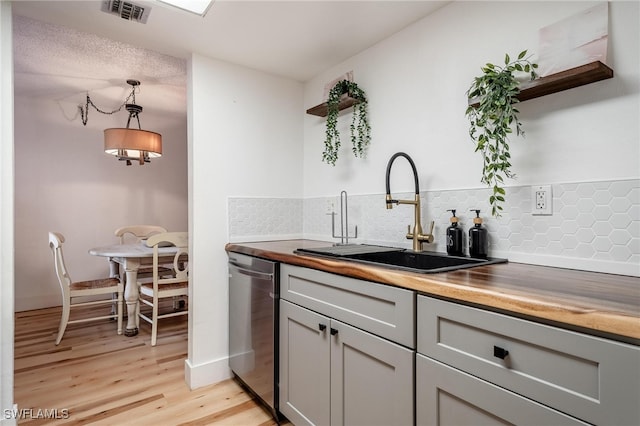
[360, 128]
[492, 118]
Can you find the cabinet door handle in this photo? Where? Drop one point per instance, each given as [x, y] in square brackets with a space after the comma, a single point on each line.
[499, 352]
[322, 327]
[334, 331]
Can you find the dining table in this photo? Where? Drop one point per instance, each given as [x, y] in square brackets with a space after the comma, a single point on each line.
[131, 257]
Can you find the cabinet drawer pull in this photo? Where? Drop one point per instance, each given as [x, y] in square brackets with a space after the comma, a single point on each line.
[499, 352]
[334, 331]
[322, 327]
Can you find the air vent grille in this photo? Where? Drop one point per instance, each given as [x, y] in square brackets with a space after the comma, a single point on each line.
[126, 10]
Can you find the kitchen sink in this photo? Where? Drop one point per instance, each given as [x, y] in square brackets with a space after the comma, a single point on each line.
[398, 258]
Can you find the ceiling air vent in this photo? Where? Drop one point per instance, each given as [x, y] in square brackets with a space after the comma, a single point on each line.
[126, 10]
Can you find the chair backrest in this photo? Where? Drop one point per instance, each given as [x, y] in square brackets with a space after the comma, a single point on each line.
[55, 243]
[180, 259]
[135, 233]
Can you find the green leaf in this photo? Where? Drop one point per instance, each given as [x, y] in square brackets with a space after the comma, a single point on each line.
[495, 118]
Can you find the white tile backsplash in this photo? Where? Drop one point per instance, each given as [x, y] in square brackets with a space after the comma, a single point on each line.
[262, 219]
[594, 226]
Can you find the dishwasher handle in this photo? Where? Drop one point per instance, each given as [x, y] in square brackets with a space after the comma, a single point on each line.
[252, 273]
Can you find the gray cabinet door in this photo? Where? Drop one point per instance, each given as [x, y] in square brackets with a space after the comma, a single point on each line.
[371, 379]
[446, 396]
[333, 373]
[304, 365]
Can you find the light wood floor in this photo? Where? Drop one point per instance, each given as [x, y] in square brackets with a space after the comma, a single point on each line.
[105, 379]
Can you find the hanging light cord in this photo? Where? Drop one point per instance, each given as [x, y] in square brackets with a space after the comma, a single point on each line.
[84, 111]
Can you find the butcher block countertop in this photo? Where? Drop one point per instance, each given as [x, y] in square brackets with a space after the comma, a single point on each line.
[605, 305]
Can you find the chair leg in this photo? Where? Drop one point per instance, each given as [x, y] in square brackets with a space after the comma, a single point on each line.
[64, 319]
[119, 308]
[138, 309]
[114, 272]
[138, 312]
[154, 322]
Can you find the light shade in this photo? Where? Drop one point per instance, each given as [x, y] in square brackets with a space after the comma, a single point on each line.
[132, 144]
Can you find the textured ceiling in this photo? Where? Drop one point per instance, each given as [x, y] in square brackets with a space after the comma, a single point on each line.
[62, 64]
[62, 49]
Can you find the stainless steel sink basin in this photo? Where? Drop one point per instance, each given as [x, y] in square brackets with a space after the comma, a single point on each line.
[397, 258]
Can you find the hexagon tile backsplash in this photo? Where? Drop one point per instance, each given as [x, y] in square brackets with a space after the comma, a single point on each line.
[595, 226]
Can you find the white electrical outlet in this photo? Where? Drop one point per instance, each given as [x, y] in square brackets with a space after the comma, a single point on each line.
[542, 200]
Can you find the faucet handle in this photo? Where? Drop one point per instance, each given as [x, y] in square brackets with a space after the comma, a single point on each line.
[430, 236]
[389, 201]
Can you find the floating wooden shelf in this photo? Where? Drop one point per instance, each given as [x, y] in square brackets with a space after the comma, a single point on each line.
[346, 101]
[574, 77]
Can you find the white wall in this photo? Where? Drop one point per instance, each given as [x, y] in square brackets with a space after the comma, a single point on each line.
[416, 82]
[245, 139]
[66, 183]
[6, 214]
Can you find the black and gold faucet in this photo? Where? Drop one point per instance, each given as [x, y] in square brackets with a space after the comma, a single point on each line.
[416, 235]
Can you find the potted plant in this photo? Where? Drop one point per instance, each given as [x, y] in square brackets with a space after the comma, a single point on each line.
[492, 116]
[360, 129]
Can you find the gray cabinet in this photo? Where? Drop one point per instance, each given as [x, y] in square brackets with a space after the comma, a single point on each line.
[305, 365]
[380, 309]
[446, 396]
[480, 367]
[335, 373]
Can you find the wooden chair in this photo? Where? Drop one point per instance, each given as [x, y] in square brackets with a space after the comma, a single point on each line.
[165, 287]
[71, 291]
[138, 233]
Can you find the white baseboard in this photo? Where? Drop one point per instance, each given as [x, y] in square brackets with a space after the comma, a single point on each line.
[207, 373]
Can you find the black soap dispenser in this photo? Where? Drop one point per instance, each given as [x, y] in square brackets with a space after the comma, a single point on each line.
[454, 236]
[478, 237]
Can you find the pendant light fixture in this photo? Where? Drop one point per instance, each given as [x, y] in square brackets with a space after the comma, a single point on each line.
[128, 144]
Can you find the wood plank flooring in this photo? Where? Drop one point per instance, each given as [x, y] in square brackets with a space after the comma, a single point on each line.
[97, 377]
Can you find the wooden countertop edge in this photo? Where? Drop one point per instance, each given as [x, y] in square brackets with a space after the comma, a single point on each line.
[616, 325]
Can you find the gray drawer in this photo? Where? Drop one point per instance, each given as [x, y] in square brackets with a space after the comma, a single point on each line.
[446, 396]
[385, 311]
[594, 379]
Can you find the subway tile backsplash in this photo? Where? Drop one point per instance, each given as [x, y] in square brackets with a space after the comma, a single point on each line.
[595, 226]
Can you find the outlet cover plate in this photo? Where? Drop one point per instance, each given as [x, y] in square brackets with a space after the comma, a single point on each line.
[542, 200]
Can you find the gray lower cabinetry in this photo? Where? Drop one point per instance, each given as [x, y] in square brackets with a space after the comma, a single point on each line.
[334, 373]
[347, 358]
[383, 310]
[479, 367]
[446, 396]
[305, 366]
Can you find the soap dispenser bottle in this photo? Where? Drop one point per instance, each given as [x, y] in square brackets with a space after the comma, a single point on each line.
[477, 237]
[454, 236]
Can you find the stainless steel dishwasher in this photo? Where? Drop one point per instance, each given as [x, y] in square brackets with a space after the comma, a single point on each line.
[254, 291]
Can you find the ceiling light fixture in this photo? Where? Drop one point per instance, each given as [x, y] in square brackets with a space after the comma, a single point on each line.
[125, 143]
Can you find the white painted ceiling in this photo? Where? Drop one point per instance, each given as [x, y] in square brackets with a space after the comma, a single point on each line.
[62, 49]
